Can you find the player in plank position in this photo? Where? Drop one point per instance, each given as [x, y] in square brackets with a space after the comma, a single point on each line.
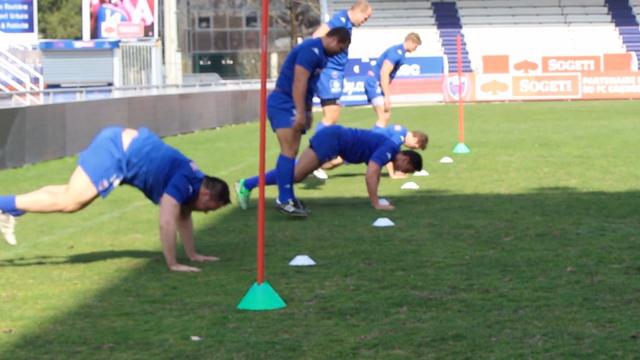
[355, 146]
[141, 159]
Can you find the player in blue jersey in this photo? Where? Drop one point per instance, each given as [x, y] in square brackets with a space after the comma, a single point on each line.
[141, 159]
[400, 135]
[355, 146]
[328, 86]
[289, 106]
[379, 79]
[329, 83]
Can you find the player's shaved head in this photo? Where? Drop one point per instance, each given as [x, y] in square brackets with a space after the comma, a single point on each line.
[361, 5]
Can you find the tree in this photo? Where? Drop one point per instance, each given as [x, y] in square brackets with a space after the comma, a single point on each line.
[60, 19]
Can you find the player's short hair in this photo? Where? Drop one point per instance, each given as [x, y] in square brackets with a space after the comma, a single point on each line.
[361, 5]
[413, 37]
[423, 139]
[218, 188]
[414, 159]
[341, 34]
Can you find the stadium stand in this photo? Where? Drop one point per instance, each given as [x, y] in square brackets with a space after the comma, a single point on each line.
[525, 28]
[624, 16]
[390, 13]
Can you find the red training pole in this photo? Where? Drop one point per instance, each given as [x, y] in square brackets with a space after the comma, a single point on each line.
[460, 99]
[264, 44]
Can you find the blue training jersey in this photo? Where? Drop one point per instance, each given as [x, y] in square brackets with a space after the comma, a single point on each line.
[339, 19]
[311, 55]
[157, 168]
[395, 55]
[395, 133]
[361, 146]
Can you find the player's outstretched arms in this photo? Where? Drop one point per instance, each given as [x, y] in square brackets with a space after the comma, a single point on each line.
[169, 217]
[373, 179]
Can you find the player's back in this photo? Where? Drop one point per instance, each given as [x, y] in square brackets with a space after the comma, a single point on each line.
[395, 55]
[359, 145]
[151, 164]
[396, 133]
[340, 19]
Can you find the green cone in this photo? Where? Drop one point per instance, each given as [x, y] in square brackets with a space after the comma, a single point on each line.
[261, 297]
[461, 148]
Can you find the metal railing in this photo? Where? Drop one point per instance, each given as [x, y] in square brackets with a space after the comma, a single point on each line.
[62, 95]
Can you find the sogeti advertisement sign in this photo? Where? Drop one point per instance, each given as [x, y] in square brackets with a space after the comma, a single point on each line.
[416, 70]
[121, 19]
[18, 16]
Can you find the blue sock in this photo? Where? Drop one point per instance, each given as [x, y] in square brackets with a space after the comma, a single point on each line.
[285, 167]
[271, 178]
[8, 205]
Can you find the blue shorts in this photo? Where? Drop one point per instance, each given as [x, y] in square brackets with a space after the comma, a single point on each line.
[280, 110]
[329, 84]
[372, 88]
[104, 160]
[326, 143]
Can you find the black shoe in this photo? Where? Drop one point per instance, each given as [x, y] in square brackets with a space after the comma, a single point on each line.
[291, 208]
[300, 204]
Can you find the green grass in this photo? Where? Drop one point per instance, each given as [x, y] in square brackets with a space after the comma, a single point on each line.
[526, 248]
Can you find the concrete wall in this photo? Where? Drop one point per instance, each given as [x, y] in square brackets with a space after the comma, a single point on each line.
[37, 133]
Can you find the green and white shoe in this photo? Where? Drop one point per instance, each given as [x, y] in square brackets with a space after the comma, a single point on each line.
[243, 195]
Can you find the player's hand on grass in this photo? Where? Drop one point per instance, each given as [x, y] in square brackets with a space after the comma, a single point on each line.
[398, 175]
[183, 268]
[203, 258]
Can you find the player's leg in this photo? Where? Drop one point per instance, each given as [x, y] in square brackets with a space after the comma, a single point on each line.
[289, 140]
[74, 196]
[382, 116]
[306, 164]
[244, 187]
[77, 194]
[333, 163]
[281, 113]
[375, 96]
[330, 116]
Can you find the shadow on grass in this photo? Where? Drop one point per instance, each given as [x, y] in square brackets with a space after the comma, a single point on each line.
[79, 258]
[537, 274]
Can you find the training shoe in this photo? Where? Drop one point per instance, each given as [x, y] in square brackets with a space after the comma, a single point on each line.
[301, 205]
[7, 227]
[292, 208]
[243, 195]
[321, 174]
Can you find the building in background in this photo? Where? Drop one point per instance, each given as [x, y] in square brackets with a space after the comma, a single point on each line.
[223, 36]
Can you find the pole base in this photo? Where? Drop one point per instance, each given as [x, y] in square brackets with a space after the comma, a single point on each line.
[461, 148]
[261, 297]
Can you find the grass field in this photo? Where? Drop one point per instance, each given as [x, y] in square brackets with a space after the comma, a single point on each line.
[526, 248]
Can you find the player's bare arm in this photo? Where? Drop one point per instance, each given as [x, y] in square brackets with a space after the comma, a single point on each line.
[300, 83]
[385, 81]
[185, 230]
[373, 179]
[169, 218]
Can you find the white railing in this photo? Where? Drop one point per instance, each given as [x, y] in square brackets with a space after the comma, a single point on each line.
[17, 76]
[54, 96]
